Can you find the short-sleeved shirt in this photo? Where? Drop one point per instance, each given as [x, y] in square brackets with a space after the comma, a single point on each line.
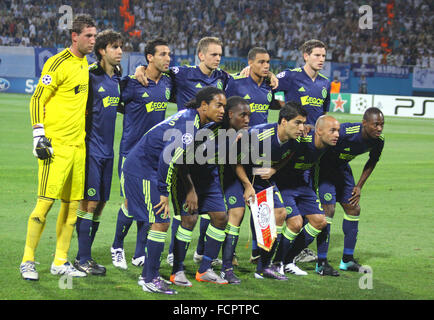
[258, 97]
[190, 79]
[314, 96]
[144, 108]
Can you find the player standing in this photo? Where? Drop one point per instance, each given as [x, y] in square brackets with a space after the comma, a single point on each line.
[102, 104]
[57, 111]
[144, 107]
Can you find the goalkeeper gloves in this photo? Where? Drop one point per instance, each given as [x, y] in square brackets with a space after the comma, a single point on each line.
[42, 148]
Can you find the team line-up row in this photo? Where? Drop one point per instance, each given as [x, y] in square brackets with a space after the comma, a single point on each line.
[304, 158]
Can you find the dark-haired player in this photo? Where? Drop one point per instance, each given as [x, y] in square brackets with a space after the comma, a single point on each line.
[102, 104]
[336, 181]
[150, 171]
[281, 140]
[306, 85]
[296, 187]
[256, 90]
[144, 107]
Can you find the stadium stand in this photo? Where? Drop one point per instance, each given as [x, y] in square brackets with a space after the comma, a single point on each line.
[402, 28]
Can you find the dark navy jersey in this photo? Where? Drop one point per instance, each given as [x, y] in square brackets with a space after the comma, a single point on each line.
[314, 96]
[162, 147]
[190, 79]
[299, 167]
[258, 97]
[102, 106]
[351, 144]
[144, 108]
[265, 145]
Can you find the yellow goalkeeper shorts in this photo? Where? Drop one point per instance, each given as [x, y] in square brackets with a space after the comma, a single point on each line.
[62, 176]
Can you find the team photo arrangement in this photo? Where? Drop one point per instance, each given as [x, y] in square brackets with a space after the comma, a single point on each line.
[229, 177]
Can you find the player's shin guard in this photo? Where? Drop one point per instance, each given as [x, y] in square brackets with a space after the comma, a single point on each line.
[154, 248]
[322, 241]
[84, 227]
[123, 224]
[142, 235]
[204, 223]
[35, 227]
[213, 243]
[176, 222]
[95, 226]
[180, 246]
[64, 229]
[229, 245]
[303, 240]
[285, 244]
[266, 256]
[350, 226]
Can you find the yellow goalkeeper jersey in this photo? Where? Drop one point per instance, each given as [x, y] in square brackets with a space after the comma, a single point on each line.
[59, 101]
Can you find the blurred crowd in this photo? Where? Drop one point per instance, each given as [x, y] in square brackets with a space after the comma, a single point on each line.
[402, 28]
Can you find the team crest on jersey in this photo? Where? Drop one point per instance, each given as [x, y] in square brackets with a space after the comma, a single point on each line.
[46, 79]
[327, 196]
[324, 92]
[281, 74]
[167, 93]
[187, 138]
[269, 96]
[220, 85]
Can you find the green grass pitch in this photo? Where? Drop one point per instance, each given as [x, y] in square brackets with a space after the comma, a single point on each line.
[395, 232]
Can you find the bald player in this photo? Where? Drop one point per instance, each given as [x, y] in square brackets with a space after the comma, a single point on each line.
[295, 183]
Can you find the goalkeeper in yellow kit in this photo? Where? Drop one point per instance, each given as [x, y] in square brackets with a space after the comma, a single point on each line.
[57, 112]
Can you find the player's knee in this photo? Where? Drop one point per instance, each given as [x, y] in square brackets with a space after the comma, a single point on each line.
[189, 221]
[318, 222]
[329, 210]
[219, 219]
[280, 215]
[236, 216]
[294, 224]
[39, 213]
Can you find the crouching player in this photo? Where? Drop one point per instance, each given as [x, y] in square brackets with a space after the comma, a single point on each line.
[149, 171]
[296, 187]
[281, 138]
[336, 181]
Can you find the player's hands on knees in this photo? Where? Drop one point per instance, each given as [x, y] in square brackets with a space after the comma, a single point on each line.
[355, 198]
[164, 206]
[141, 76]
[191, 202]
[42, 148]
